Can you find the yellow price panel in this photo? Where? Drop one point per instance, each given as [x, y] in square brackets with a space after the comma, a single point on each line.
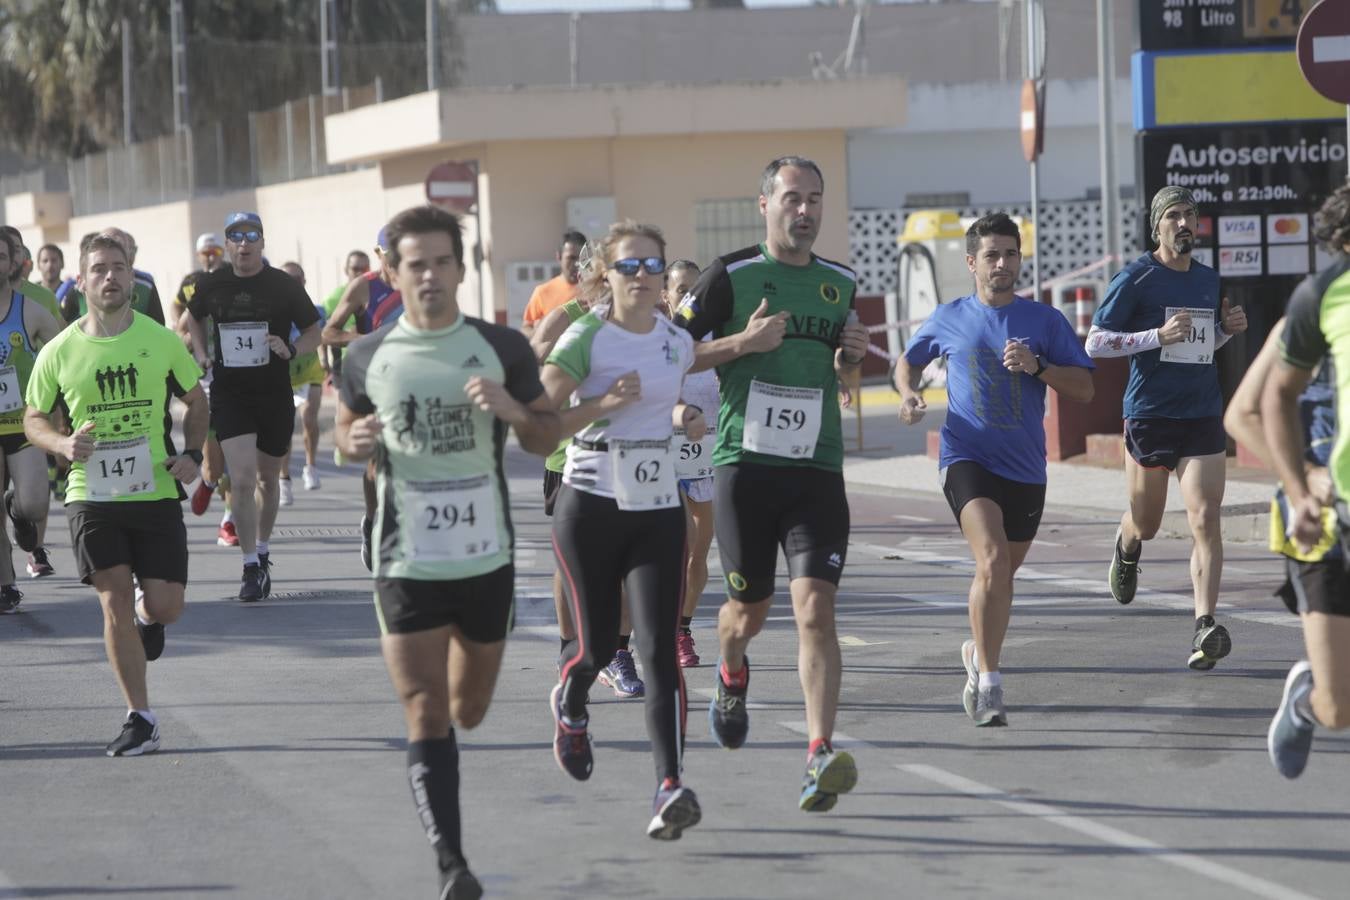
[1273, 18]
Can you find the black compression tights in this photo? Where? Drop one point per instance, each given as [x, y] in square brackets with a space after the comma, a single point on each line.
[601, 549]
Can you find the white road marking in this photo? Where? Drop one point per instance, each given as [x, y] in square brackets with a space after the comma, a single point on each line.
[1106, 834]
[912, 518]
[1094, 589]
[849, 640]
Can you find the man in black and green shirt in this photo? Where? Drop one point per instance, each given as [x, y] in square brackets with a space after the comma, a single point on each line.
[115, 369]
[1316, 332]
[779, 457]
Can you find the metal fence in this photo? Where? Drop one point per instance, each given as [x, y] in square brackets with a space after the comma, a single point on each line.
[276, 145]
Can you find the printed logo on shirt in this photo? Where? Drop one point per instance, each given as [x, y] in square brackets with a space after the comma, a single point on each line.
[472, 363]
[672, 352]
[15, 344]
[113, 384]
[770, 289]
[829, 293]
[688, 307]
[433, 426]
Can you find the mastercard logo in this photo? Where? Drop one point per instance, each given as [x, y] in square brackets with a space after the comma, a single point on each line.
[1287, 226]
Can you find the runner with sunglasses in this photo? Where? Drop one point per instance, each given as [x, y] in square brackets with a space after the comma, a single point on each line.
[252, 308]
[617, 521]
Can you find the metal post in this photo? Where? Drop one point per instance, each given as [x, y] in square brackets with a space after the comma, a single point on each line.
[574, 48]
[290, 141]
[329, 61]
[252, 149]
[220, 156]
[178, 63]
[433, 46]
[314, 132]
[1034, 72]
[1106, 128]
[126, 80]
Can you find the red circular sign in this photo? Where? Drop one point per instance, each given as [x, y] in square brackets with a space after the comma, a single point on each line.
[453, 185]
[1324, 49]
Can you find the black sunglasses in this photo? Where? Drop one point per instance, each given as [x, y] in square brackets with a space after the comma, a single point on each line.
[654, 265]
[252, 236]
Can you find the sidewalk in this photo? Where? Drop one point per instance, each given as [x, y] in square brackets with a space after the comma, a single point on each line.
[894, 461]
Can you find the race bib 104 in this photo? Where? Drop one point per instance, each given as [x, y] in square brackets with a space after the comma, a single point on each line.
[1197, 348]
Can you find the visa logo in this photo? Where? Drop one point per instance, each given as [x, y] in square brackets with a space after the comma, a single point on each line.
[1239, 229]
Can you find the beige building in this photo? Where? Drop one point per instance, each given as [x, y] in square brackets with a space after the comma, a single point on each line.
[685, 157]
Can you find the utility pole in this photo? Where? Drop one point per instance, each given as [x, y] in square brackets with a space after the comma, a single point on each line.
[1106, 129]
[178, 62]
[329, 64]
[433, 46]
[126, 81]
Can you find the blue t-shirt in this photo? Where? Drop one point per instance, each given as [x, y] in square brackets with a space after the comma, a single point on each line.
[995, 417]
[1137, 300]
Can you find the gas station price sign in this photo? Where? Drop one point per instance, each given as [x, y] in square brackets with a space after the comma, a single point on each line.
[1218, 24]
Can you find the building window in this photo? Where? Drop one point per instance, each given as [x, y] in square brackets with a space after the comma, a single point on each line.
[723, 226]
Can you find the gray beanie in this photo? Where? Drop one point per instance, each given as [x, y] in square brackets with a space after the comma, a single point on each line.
[1168, 196]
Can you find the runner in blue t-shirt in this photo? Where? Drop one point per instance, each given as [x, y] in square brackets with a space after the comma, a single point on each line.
[1163, 311]
[1002, 351]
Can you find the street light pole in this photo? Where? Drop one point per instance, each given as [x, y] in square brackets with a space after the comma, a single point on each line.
[1106, 130]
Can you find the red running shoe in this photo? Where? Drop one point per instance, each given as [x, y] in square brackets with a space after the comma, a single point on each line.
[226, 536]
[684, 650]
[201, 497]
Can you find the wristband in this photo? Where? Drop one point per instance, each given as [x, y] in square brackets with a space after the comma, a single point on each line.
[1042, 367]
[291, 348]
[194, 455]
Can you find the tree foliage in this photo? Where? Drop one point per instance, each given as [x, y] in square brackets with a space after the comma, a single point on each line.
[61, 62]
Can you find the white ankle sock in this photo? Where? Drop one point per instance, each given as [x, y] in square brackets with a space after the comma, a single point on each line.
[990, 679]
[262, 547]
[145, 714]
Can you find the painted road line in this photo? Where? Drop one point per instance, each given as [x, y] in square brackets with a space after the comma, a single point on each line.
[1093, 589]
[1090, 828]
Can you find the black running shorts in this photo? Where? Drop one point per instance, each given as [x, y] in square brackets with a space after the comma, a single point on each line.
[1022, 503]
[1322, 586]
[147, 535]
[1163, 443]
[270, 418]
[482, 607]
[13, 443]
[759, 508]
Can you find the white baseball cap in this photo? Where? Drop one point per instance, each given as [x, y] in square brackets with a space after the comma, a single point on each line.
[207, 240]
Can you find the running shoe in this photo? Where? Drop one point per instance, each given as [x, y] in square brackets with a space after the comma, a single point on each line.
[621, 675]
[226, 536]
[1123, 576]
[571, 745]
[728, 719]
[1290, 737]
[674, 809]
[25, 531]
[265, 562]
[287, 493]
[152, 639]
[201, 497]
[312, 483]
[1210, 644]
[983, 705]
[251, 586]
[366, 528]
[39, 566]
[138, 737]
[459, 884]
[10, 597]
[829, 773]
[684, 650]
[972, 688]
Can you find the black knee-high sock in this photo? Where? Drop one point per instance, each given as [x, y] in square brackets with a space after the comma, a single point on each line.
[433, 773]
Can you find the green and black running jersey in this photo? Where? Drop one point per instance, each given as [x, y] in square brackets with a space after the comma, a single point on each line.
[122, 384]
[779, 408]
[443, 512]
[1317, 323]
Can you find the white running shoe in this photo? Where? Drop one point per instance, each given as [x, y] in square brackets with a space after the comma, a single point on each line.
[287, 492]
[312, 482]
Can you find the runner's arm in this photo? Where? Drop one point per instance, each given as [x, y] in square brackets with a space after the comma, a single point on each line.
[43, 434]
[354, 299]
[184, 467]
[355, 435]
[546, 333]
[308, 341]
[558, 387]
[197, 338]
[763, 332]
[1243, 419]
[1103, 344]
[39, 322]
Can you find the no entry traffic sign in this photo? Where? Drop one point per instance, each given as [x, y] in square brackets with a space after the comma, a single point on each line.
[1324, 49]
[453, 185]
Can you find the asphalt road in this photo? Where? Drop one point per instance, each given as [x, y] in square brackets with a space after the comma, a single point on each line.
[1122, 773]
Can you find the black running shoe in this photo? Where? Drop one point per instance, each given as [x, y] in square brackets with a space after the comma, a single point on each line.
[674, 809]
[367, 526]
[39, 566]
[459, 884]
[138, 737]
[10, 597]
[265, 562]
[1123, 575]
[25, 532]
[1210, 644]
[251, 587]
[152, 639]
[728, 719]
